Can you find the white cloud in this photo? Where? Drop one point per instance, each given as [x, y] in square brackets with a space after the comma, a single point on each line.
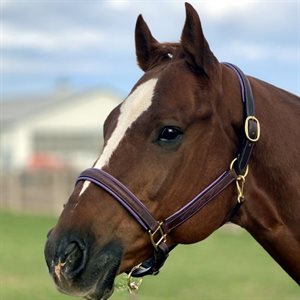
[30, 67]
[4, 3]
[119, 4]
[259, 52]
[69, 39]
[83, 37]
[219, 8]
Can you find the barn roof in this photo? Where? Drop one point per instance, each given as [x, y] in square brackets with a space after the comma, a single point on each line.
[19, 108]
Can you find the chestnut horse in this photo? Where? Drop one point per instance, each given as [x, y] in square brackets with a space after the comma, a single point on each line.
[180, 128]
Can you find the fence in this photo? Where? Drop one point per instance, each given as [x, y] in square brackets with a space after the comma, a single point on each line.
[40, 192]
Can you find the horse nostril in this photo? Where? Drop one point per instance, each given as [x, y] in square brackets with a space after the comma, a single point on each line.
[70, 248]
[71, 261]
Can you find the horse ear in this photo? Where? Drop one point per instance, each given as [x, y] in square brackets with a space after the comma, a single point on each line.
[193, 42]
[144, 43]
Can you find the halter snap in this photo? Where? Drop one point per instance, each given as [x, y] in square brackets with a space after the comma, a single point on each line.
[240, 182]
[133, 286]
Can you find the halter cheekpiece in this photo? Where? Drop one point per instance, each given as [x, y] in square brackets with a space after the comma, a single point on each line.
[159, 230]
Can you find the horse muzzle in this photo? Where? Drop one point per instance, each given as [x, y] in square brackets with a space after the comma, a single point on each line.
[80, 268]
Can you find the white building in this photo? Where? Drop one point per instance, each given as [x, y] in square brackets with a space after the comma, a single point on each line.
[57, 130]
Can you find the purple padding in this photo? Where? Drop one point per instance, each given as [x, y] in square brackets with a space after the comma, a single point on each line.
[122, 194]
[137, 209]
[198, 202]
[117, 197]
[241, 81]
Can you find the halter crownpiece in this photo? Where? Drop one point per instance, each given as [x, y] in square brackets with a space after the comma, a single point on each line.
[159, 230]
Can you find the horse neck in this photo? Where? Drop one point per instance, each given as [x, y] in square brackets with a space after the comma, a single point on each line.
[272, 192]
[275, 162]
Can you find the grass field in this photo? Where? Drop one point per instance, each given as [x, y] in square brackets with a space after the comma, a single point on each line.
[226, 266]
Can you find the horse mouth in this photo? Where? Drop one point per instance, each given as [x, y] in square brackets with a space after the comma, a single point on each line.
[103, 288]
[104, 285]
[96, 280]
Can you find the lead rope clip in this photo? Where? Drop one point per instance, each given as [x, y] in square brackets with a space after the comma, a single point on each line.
[133, 286]
[240, 182]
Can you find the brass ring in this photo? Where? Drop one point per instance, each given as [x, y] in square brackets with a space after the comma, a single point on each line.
[247, 168]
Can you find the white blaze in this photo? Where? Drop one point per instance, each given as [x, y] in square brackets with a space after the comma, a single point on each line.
[132, 108]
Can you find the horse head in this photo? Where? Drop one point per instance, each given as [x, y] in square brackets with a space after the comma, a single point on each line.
[166, 141]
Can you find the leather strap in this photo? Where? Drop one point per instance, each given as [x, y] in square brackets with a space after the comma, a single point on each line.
[249, 111]
[122, 194]
[139, 211]
[197, 203]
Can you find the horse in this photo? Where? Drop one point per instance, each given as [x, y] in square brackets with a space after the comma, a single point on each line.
[196, 144]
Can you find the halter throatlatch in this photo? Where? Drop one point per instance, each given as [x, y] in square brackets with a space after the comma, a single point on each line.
[159, 230]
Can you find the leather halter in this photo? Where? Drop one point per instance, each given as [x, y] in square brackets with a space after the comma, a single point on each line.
[158, 231]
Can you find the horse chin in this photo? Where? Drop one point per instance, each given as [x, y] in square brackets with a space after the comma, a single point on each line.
[99, 294]
[96, 281]
[104, 286]
[102, 291]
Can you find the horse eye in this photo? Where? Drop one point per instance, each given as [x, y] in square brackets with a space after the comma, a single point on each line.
[169, 134]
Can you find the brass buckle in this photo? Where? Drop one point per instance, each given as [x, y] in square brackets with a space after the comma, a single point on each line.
[162, 237]
[252, 118]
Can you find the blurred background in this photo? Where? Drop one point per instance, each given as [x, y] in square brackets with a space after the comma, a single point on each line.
[64, 65]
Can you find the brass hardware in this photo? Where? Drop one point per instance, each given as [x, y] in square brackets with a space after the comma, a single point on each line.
[240, 182]
[246, 171]
[132, 286]
[162, 236]
[252, 118]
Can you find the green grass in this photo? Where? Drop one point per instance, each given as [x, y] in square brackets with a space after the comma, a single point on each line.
[225, 266]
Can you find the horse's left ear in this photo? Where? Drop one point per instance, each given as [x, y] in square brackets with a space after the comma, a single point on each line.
[193, 42]
[144, 44]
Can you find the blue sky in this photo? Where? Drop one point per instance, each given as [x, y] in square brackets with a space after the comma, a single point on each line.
[90, 44]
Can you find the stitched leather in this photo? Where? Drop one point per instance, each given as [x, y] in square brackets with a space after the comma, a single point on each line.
[122, 194]
[249, 110]
[203, 198]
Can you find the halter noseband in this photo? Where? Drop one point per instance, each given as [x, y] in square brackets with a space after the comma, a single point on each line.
[158, 231]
